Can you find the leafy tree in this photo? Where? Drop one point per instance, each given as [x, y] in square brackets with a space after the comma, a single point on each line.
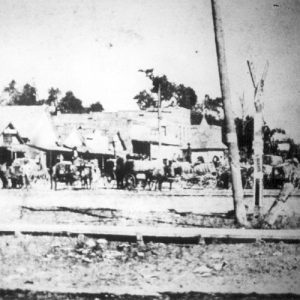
[70, 104]
[211, 108]
[185, 96]
[145, 100]
[53, 95]
[244, 130]
[28, 96]
[13, 93]
[96, 107]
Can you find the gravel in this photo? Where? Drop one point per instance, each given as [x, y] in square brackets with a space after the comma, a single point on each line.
[86, 263]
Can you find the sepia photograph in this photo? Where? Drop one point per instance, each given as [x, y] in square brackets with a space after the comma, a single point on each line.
[149, 149]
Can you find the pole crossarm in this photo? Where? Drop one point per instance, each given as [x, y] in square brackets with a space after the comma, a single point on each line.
[258, 86]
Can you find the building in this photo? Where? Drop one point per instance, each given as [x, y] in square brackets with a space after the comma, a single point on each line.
[206, 142]
[136, 132]
[27, 131]
[107, 134]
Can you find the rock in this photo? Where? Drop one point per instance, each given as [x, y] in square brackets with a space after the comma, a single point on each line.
[141, 254]
[205, 274]
[102, 243]
[121, 247]
[201, 241]
[81, 238]
[112, 255]
[277, 253]
[85, 259]
[90, 243]
[202, 270]
[50, 256]
[216, 255]
[219, 266]
[139, 239]
[18, 234]
[85, 251]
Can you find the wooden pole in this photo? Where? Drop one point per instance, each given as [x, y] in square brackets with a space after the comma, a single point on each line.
[258, 142]
[231, 137]
[158, 121]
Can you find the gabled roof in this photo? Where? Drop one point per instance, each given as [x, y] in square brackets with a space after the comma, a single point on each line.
[32, 123]
[24, 118]
[206, 137]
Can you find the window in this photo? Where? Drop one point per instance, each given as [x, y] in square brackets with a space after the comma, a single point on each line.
[7, 139]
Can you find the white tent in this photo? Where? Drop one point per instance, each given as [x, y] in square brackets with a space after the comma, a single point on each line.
[44, 136]
[74, 140]
[98, 143]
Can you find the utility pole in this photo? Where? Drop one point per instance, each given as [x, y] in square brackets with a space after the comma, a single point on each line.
[243, 107]
[158, 120]
[231, 137]
[258, 141]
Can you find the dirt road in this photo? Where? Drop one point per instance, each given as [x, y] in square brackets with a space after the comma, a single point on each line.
[11, 201]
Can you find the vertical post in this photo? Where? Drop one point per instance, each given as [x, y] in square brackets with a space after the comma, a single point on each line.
[158, 121]
[258, 142]
[258, 147]
[237, 189]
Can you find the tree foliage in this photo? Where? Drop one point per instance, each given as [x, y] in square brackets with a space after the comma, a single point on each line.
[26, 97]
[244, 130]
[211, 108]
[70, 104]
[184, 96]
[13, 93]
[144, 100]
[53, 94]
[96, 107]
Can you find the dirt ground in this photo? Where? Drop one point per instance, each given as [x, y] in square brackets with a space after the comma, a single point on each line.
[63, 263]
[199, 271]
[171, 218]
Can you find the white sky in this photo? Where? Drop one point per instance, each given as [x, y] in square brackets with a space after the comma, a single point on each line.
[95, 48]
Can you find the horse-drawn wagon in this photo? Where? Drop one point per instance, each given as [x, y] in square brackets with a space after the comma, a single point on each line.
[68, 173]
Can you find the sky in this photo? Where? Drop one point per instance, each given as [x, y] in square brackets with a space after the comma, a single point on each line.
[96, 47]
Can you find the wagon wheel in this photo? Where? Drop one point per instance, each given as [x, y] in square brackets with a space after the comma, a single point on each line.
[130, 181]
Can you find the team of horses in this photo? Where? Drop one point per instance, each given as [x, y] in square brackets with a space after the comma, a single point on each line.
[148, 174]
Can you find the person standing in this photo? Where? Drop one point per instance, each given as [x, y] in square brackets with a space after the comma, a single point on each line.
[120, 172]
[74, 154]
[188, 155]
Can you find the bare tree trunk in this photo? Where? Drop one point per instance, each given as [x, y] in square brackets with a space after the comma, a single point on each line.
[237, 189]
